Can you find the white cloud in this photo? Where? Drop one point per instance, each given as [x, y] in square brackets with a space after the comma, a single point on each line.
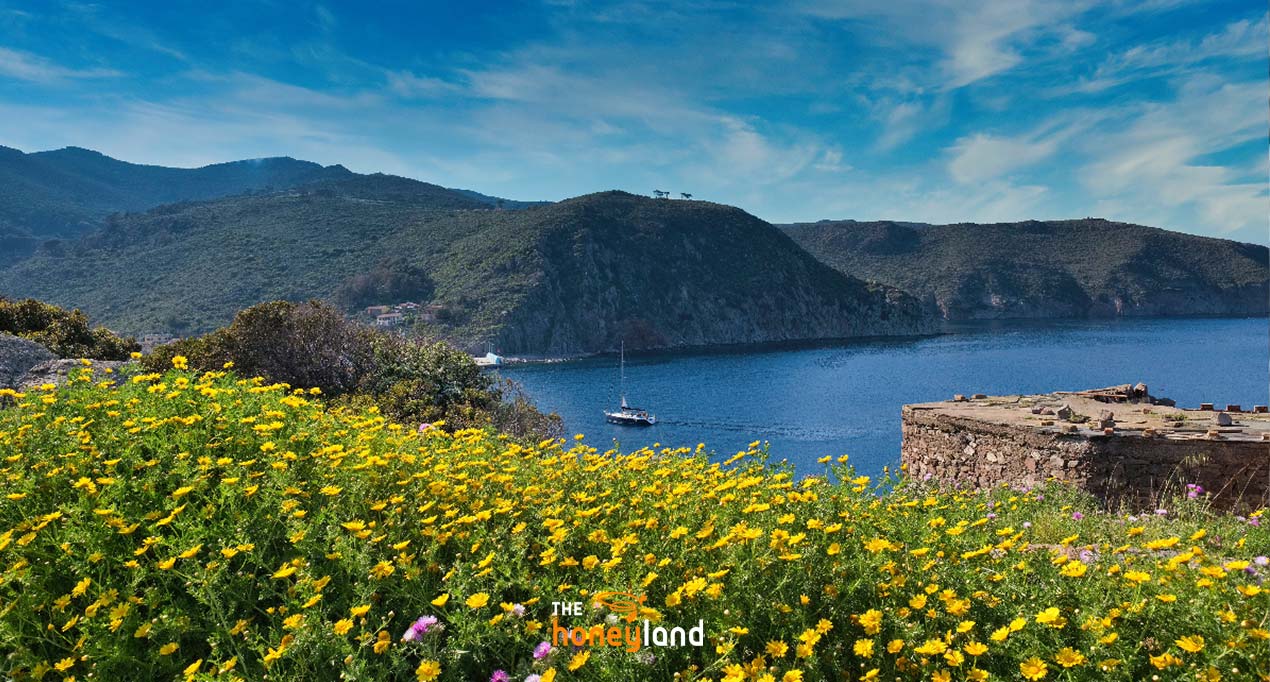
[1242, 39]
[34, 68]
[983, 157]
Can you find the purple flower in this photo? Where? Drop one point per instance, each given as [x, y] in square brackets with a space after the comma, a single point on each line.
[424, 427]
[1161, 512]
[1194, 490]
[541, 651]
[1261, 561]
[500, 676]
[992, 515]
[1076, 516]
[1027, 524]
[534, 678]
[518, 610]
[1255, 522]
[419, 628]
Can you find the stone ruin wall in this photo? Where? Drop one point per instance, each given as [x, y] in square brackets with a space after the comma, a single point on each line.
[1134, 471]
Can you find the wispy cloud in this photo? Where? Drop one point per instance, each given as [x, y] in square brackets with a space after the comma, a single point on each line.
[26, 66]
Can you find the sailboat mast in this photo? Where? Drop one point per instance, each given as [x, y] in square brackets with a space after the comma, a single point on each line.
[622, 370]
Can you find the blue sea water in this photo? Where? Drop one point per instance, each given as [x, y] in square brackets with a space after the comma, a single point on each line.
[845, 397]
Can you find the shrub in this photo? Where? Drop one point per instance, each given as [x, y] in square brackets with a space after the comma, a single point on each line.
[313, 345]
[302, 344]
[64, 332]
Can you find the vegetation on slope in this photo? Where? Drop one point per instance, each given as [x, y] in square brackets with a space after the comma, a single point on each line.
[71, 191]
[564, 278]
[64, 332]
[410, 381]
[186, 526]
[1068, 268]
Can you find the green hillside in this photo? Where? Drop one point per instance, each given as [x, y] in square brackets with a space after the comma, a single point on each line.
[573, 277]
[1048, 269]
[69, 192]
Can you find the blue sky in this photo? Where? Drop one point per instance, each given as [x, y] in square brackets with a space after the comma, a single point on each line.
[1152, 111]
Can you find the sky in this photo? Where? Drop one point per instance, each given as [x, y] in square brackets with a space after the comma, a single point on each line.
[1149, 111]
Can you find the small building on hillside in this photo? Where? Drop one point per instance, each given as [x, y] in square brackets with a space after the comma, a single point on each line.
[376, 310]
[389, 319]
[406, 307]
[151, 341]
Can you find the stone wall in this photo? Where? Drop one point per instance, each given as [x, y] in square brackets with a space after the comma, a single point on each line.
[1132, 470]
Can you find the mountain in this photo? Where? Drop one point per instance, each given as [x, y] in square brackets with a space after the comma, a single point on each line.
[572, 277]
[68, 192]
[1048, 269]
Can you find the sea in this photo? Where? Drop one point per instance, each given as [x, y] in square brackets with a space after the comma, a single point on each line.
[811, 400]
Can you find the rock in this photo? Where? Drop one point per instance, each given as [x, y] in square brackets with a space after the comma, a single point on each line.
[1164, 402]
[1223, 419]
[55, 371]
[959, 398]
[1106, 419]
[1140, 390]
[1064, 412]
[1046, 410]
[17, 356]
[978, 396]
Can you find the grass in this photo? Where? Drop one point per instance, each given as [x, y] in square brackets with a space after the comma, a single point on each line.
[196, 527]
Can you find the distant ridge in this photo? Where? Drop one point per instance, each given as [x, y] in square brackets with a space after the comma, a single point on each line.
[1048, 269]
[68, 192]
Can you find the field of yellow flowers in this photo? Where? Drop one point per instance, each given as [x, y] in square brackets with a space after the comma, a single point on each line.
[197, 527]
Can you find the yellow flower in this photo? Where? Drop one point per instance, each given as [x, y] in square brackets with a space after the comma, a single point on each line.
[1074, 569]
[794, 675]
[478, 600]
[976, 648]
[1191, 644]
[1033, 669]
[428, 670]
[342, 626]
[871, 621]
[863, 648]
[1069, 657]
[931, 647]
[439, 601]
[169, 649]
[359, 611]
[777, 649]
[579, 659]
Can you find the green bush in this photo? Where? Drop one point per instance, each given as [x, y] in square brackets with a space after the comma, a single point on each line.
[313, 345]
[302, 344]
[65, 332]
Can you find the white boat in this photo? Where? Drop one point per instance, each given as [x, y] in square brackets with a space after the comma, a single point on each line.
[627, 415]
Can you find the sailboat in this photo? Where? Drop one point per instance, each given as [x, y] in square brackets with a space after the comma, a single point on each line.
[627, 415]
